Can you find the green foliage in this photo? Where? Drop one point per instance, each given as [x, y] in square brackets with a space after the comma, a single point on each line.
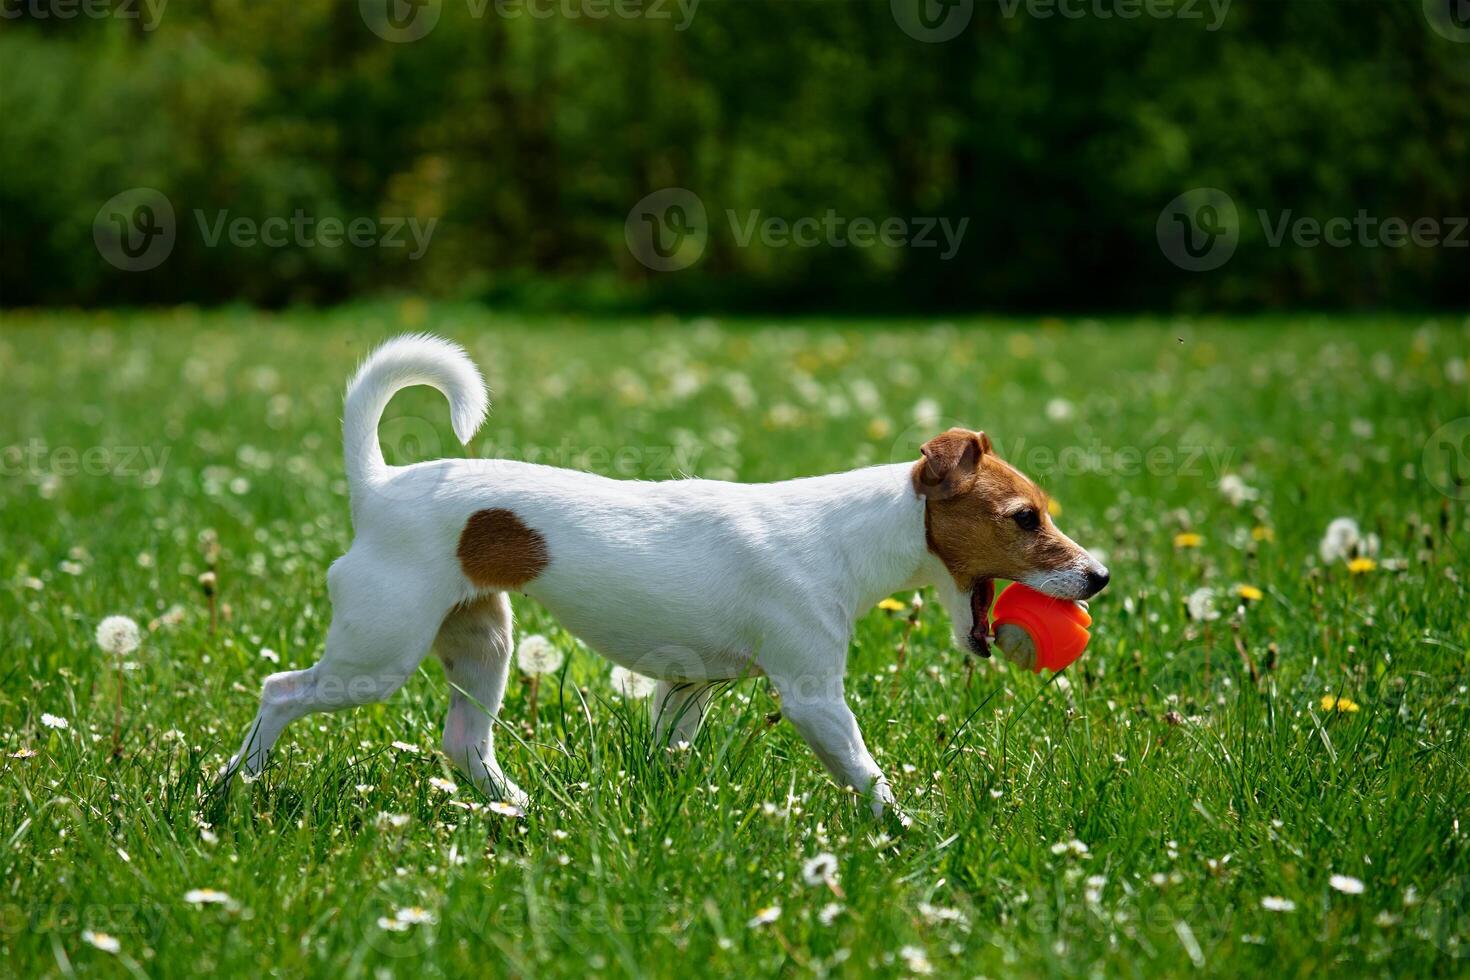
[530, 138]
[1198, 790]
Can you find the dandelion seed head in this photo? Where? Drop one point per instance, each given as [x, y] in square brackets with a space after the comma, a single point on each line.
[118, 635]
[538, 655]
[630, 684]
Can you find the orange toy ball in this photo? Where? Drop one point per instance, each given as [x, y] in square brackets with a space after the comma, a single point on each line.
[1058, 628]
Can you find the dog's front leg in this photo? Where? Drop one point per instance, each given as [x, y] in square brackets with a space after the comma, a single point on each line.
[678, 710]
[818, 710]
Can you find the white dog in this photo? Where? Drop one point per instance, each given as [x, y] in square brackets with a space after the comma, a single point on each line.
[691, 582]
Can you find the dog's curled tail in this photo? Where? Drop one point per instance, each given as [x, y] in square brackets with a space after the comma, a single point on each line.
[412, 359]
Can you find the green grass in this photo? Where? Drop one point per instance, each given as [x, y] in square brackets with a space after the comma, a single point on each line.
[1197, 789]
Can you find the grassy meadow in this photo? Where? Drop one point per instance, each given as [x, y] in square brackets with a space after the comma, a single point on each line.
[1260, 763]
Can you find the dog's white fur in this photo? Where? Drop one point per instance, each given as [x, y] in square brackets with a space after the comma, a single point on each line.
[691, 582]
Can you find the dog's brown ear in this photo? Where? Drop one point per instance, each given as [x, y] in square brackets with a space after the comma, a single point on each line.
[950, 461]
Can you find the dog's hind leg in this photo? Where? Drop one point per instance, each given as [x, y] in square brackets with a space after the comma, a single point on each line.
[380, 632]
[678, 709]
[474, 643]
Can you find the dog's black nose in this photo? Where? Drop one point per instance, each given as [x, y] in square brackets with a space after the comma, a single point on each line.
[1097, 581]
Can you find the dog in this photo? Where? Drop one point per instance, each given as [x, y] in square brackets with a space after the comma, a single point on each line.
[690, 582]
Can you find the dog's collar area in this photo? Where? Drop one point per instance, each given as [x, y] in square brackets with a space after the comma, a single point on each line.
[982, 594]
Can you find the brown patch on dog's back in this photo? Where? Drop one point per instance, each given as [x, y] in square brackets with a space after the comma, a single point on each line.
[498, 551]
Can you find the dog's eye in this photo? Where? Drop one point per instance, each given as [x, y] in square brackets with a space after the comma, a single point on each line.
[1027, 520]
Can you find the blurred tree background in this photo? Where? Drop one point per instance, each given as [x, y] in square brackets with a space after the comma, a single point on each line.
[530, 138]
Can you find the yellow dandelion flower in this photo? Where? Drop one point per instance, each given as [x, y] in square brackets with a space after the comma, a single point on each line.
[1187, 539]
[1249, 593]
[1362, 566]
[1341, 705]
[1263, 533]
[891, 605]
[1053, 508]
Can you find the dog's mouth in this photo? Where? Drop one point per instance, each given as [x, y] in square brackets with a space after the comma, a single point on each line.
[982, 594]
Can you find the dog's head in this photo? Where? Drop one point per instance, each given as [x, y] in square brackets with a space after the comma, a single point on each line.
[984, 520]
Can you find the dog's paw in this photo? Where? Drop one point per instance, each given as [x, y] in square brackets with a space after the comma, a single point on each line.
[880, 797]
[510, 793]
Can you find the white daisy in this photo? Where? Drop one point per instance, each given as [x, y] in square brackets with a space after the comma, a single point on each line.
[506, 809]
[101, 940]
[206, 896]
[765, 916]
[1346, 884]
[829, 913]
[538, 655]
[443, 785]
[916, 960]
[820, 870]
[54, 721]
[1274, 903]
[935, 914]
